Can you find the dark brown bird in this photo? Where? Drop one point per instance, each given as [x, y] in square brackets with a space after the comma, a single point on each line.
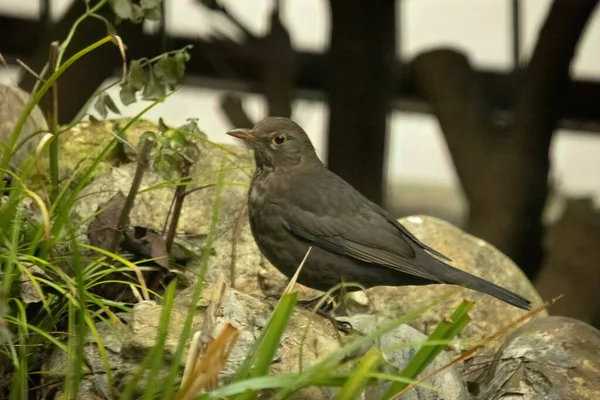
[295, 202]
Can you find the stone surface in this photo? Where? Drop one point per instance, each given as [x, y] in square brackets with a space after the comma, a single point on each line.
[404, 342]
[548, 358]
[128, 344]
[112, 333]
[12, 104]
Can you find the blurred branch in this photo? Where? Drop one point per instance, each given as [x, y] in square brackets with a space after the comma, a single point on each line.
[231, 104]
[360, 81]
[279, 67]
[215, 5]
[504, 170]
[277, 72]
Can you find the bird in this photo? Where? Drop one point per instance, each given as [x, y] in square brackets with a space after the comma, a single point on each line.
[295, 203]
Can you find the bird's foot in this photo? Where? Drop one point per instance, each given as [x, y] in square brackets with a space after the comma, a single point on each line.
[326, 311]
[342, 326]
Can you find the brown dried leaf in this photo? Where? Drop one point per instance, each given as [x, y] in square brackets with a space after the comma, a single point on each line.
[158, 248]
[102, 230]
[144, 243]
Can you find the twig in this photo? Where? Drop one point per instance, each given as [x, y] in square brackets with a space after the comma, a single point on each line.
[231, 104]
[142, 164]
[65, 44]
[52, 116]
[180, 193]
[234, 239]
[44, 74]
[32, 72]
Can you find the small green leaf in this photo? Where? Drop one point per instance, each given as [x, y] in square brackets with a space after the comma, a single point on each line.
[127, 94]
[172, 158]
[154, 89]
[191, 126]
[123, 8]
[167, 163]
[137, 14]
[178, 138]
[149, 4]
[184, 54]
[111, 105]
[169, 69]
[100, 106]
[137, 76]
[162, 127]
[105, 103]
[153, 14]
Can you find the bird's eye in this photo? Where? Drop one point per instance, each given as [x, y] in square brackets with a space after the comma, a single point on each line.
[279, 139]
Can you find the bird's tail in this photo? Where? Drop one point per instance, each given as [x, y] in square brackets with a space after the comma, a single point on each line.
[459, 277]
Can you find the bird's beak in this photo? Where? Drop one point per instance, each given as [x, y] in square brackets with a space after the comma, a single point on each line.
[245, 134]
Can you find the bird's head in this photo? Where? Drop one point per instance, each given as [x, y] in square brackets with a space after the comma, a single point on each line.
[278, 143]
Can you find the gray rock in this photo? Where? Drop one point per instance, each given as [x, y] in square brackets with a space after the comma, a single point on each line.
[95, 383]
[548, 358]
[127, 345]
[12, 104]
[448, 382]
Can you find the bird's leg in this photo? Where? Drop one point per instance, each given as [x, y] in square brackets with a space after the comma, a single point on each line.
[310, 304]
[326, 311]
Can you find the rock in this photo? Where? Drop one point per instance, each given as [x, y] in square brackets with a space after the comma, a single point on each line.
[449, 381]
[79, 144]
[249, 315]
[548, 358]
[93, 384]
[12, 104]
[128, 344]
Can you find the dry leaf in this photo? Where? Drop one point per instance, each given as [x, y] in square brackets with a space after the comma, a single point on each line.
[101, 231]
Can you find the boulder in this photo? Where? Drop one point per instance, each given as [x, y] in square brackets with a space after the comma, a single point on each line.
[548, 358]
[12, 104]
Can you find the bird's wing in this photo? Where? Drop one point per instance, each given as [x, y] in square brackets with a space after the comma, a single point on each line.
[360, 232]
[412, 237]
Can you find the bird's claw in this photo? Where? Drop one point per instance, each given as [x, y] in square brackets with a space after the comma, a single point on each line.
[325, 311]
[342, 326]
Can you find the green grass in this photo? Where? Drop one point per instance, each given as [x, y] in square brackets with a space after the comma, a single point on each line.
[69, 308]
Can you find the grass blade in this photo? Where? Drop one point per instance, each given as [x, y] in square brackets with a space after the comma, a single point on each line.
[261, 357]
[169, 382]
[446, 330]
[156, 356]
[358, 379]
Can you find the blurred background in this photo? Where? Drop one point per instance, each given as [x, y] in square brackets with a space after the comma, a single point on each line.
[484, 113]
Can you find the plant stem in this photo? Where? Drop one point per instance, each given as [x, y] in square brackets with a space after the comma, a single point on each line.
[53, 122]
[65, 44]
[142, 164]
[180, 193]
[12, 140]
